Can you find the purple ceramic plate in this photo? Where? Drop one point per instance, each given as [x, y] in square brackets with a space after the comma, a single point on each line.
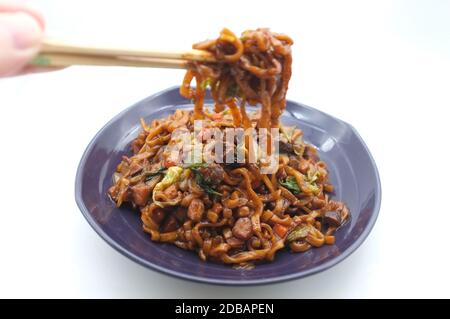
[352, 172]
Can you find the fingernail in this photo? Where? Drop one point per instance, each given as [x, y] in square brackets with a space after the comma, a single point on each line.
[24, 30]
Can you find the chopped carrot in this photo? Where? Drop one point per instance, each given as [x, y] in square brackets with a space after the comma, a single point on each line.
[280, 230]
[169, 162]
[329, 240]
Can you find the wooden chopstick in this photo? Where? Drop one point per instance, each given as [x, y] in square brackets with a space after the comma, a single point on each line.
[61, 59]
[55, 46]
[57, 53]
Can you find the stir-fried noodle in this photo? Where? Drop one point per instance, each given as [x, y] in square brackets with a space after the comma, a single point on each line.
[231, 212]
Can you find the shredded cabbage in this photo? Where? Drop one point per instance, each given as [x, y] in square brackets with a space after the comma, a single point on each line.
[172, 176]
[287, 131]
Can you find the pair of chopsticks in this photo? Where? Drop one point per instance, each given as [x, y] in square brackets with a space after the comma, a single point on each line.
[55, 53]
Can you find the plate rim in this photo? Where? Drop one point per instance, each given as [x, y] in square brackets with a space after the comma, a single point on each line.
[226, 282]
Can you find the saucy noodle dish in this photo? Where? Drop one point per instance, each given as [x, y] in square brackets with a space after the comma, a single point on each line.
[232, 213]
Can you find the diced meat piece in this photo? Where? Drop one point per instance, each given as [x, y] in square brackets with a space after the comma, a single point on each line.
[217, 240]
[310, 153]
[242, 229]
[317, 203]
[205, 234]
[255, 242]
[236, 202]
[292, 210]
[179, 119]
[206, 200]
[334, 205]
[140, 194]
[227, 212]
[344, 213]
[158, 215]
[286, 147]
[227, 233]
[294, 163]
[217, 208]
[271, 205]
[323, 173]
[243, 211]
[187, 199]
[213, 173]
[137, 144]
[328, 188]
[262, 189]
[135, 167]
[171, 191]
[235, 242]
[212, 216]
[180, 214]
[304, 166]
[196, 209]
[281, 174]
[113, 190]
[332, 218]
[170, 224]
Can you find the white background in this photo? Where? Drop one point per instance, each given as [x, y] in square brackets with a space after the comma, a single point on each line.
[383, 66]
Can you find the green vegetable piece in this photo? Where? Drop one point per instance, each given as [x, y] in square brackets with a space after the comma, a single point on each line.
[299, 232]
[195, 166]
[287, 131]
[299, 149]
[310, 182]
[291, 184]
[205, 83]
[205, 185]
[172, 176]
[150, 175]
[312, 187]
[201, 181]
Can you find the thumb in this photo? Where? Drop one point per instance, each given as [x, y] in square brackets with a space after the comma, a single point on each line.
[20, 38]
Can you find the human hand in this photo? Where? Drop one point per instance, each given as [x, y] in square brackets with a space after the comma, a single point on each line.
[21, 33]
